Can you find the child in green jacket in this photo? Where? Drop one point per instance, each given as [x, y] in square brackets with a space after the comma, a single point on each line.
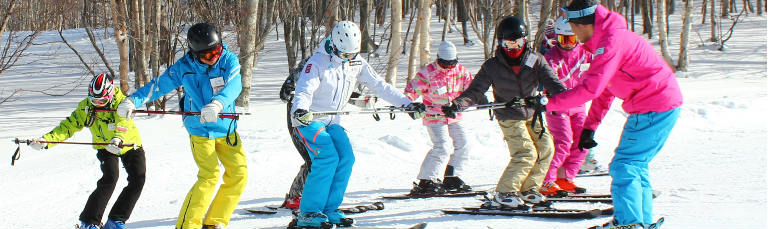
[105, 127]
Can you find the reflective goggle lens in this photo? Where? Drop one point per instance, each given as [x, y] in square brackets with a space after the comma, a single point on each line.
[99, 101]
[567, 39]
[347, 56]
[210, 54]
[513, 44]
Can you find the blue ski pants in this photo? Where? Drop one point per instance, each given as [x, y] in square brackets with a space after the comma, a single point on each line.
[332, 160]
[643, 137]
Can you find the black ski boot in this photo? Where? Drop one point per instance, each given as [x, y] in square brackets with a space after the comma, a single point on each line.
[427, 187]
[455, 184]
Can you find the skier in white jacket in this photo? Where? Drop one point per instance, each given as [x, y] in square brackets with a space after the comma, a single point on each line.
[326, 84]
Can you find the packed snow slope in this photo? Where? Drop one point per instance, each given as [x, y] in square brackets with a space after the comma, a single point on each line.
[712, 171]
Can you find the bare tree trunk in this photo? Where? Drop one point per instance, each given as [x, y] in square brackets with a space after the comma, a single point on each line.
[331, 10]
[394, 52]
[156, 38]
[412, 66]
[447, 22]
[682, 58]
[724, 8]
[246, 39]
[759, 5]
[661, 23]
[461, 16]
[704, 11]
[141, 65]
[425, 14]
[713, 23]
[648, 18]
[546, 6]
[121, 38]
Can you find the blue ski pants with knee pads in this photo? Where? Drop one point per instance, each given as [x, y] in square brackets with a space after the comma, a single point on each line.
[332, 160]
[643, 137]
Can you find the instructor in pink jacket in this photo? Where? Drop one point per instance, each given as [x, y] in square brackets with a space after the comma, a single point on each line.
[626, 66]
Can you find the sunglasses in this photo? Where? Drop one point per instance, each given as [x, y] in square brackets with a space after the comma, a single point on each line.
[210, 54]
[567, 39]
[513, 44]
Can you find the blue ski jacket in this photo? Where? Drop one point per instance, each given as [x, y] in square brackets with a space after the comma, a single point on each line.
[202, 84]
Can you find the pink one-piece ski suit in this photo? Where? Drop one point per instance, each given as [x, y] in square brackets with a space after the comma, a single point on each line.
[565, 125]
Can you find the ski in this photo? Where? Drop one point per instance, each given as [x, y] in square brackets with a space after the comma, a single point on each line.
[450, 194]
[604, 211]
[545, 213]
[274, 209]
[593, 174]
[601, 198]
[417, 226]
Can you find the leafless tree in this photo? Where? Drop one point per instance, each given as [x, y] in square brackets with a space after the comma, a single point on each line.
[394, 52]
[248, 27]
[661, 21]
[424, 18]
[682, 58]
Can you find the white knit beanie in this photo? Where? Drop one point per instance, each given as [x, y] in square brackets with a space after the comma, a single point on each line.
[447, 51]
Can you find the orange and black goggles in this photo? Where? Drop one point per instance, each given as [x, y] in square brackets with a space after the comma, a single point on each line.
[567, 39]
[209, 54]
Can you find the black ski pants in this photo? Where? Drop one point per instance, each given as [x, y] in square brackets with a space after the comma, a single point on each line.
[298, 182]
[134, 163]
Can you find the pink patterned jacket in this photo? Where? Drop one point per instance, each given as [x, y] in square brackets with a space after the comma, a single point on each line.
[438, 87]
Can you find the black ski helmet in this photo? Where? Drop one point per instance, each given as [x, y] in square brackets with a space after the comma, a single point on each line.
[202, 36]
[511, 28]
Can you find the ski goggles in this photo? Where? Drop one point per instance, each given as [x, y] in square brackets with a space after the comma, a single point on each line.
[100, 102]
[447, 64]
[567, 39]
[513, 44]
[210, 54]
[568, 14]
[346, 56]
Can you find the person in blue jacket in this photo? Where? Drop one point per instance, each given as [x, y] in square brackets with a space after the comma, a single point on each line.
[210, 74]
[326, 84]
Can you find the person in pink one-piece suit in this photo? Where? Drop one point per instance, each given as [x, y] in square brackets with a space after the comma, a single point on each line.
[568, 60]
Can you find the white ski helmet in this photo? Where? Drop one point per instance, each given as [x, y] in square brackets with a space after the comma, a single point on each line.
[346, 37]
[562, 27]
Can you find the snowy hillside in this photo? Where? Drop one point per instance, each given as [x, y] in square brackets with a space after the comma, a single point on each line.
[712, 171]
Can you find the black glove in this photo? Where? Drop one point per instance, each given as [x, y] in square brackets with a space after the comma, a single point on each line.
[451, 110]
[515, 102]
[302, 117]
[419, 110]
[587, 140]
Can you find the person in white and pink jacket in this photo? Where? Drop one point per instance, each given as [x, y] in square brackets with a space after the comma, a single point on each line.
[569, 59]
[438, 84]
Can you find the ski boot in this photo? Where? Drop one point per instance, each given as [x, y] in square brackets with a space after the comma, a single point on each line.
[569, 186]
[310, 220]
[455, 184]
[505, 201]
[217, 226]
[551, 189]
[535, 198]
[590, 165]
[83, 225]
[292, 203]
[613, 224]
[427, 187]
[114, 224]
[339, 219]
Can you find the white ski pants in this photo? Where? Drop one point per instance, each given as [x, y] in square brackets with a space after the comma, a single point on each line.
[435, 162]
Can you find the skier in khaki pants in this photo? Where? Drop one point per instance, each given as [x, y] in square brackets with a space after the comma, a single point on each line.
[517, 74]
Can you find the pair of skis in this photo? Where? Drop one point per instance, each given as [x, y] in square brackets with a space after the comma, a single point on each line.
[274, 209]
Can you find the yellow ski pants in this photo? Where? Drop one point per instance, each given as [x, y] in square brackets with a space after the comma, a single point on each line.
[207, 153]
[530, 156]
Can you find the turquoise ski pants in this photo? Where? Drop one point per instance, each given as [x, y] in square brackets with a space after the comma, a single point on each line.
[643, 137]
[332, 160]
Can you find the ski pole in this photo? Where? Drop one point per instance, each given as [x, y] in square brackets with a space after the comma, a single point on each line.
[16, 155]
[189, 113]
[391, 110]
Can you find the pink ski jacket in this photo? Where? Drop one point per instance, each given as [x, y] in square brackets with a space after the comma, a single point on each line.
[438, 87]
[569, 66]
[624, 65]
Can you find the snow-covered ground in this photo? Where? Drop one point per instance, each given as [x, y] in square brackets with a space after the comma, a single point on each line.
[712, 171]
